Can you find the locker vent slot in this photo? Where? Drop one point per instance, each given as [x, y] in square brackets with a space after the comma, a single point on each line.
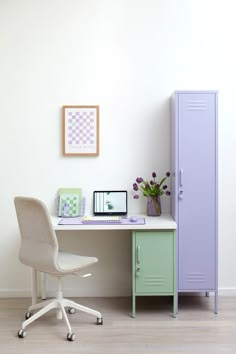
[197, 105]
[196, 277]
[154, 280]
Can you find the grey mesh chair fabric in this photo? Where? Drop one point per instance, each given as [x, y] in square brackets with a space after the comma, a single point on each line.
[39, 250]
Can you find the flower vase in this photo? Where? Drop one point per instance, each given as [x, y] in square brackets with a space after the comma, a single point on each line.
[154, 205]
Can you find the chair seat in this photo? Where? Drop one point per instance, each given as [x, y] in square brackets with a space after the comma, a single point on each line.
[70, 262]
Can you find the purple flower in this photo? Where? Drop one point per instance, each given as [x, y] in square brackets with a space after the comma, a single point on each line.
[139, 180]
[151, 187]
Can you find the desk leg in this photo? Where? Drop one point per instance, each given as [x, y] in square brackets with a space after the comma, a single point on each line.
[34, 285]
[43, 286]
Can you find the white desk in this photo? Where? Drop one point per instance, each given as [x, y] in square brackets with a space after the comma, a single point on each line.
[153, 226]
[163, 222]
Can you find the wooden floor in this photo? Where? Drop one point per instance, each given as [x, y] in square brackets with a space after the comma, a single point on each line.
[196, 329]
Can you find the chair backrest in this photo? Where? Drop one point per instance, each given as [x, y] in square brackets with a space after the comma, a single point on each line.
[39, 246]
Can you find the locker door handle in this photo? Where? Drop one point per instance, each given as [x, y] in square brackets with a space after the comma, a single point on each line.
[138, 259]
[181, 182]
[138, 254]
[181, 177]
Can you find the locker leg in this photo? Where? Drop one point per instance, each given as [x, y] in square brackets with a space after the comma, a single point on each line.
[133, 306]
[216, 303]
[177, 302]
[175, 305]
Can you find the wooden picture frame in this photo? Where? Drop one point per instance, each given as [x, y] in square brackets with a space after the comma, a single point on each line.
[81, 130]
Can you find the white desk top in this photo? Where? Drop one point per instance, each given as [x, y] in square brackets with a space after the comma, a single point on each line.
[163, 222]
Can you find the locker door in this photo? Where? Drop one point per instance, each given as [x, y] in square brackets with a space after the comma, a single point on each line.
[155, 259]
[197, 190]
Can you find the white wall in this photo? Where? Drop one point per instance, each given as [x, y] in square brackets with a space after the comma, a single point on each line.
[128, 57]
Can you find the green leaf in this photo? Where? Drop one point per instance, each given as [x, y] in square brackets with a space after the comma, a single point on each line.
[163, 180]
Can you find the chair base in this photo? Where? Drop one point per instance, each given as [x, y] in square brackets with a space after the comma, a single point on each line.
[58, 303]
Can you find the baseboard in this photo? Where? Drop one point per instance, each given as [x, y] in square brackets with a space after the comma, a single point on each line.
[227, 292]
[70, 292]
[113, 292]
[221, 292]
[14, 293]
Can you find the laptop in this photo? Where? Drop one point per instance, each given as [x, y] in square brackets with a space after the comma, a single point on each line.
[113, 203]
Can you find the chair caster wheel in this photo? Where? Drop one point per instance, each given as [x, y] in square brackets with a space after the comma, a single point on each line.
[99, 321]
[71, 310]
[28, 315]
[70, 337]
[21, 333]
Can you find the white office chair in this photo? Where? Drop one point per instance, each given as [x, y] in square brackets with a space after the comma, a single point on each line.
[39, 250]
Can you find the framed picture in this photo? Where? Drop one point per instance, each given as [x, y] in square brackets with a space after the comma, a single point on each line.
[81, 130]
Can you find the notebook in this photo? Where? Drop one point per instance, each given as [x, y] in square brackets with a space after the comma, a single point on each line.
[70, 202]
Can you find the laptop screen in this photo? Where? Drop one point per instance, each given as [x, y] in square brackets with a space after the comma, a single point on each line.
[110, 202]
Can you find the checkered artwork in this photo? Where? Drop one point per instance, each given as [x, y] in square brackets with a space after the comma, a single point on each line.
[81, 130]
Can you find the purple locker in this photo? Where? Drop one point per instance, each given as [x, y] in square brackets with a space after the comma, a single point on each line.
[194, 189]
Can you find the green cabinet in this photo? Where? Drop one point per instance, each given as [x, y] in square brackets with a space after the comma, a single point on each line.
[154, 265]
